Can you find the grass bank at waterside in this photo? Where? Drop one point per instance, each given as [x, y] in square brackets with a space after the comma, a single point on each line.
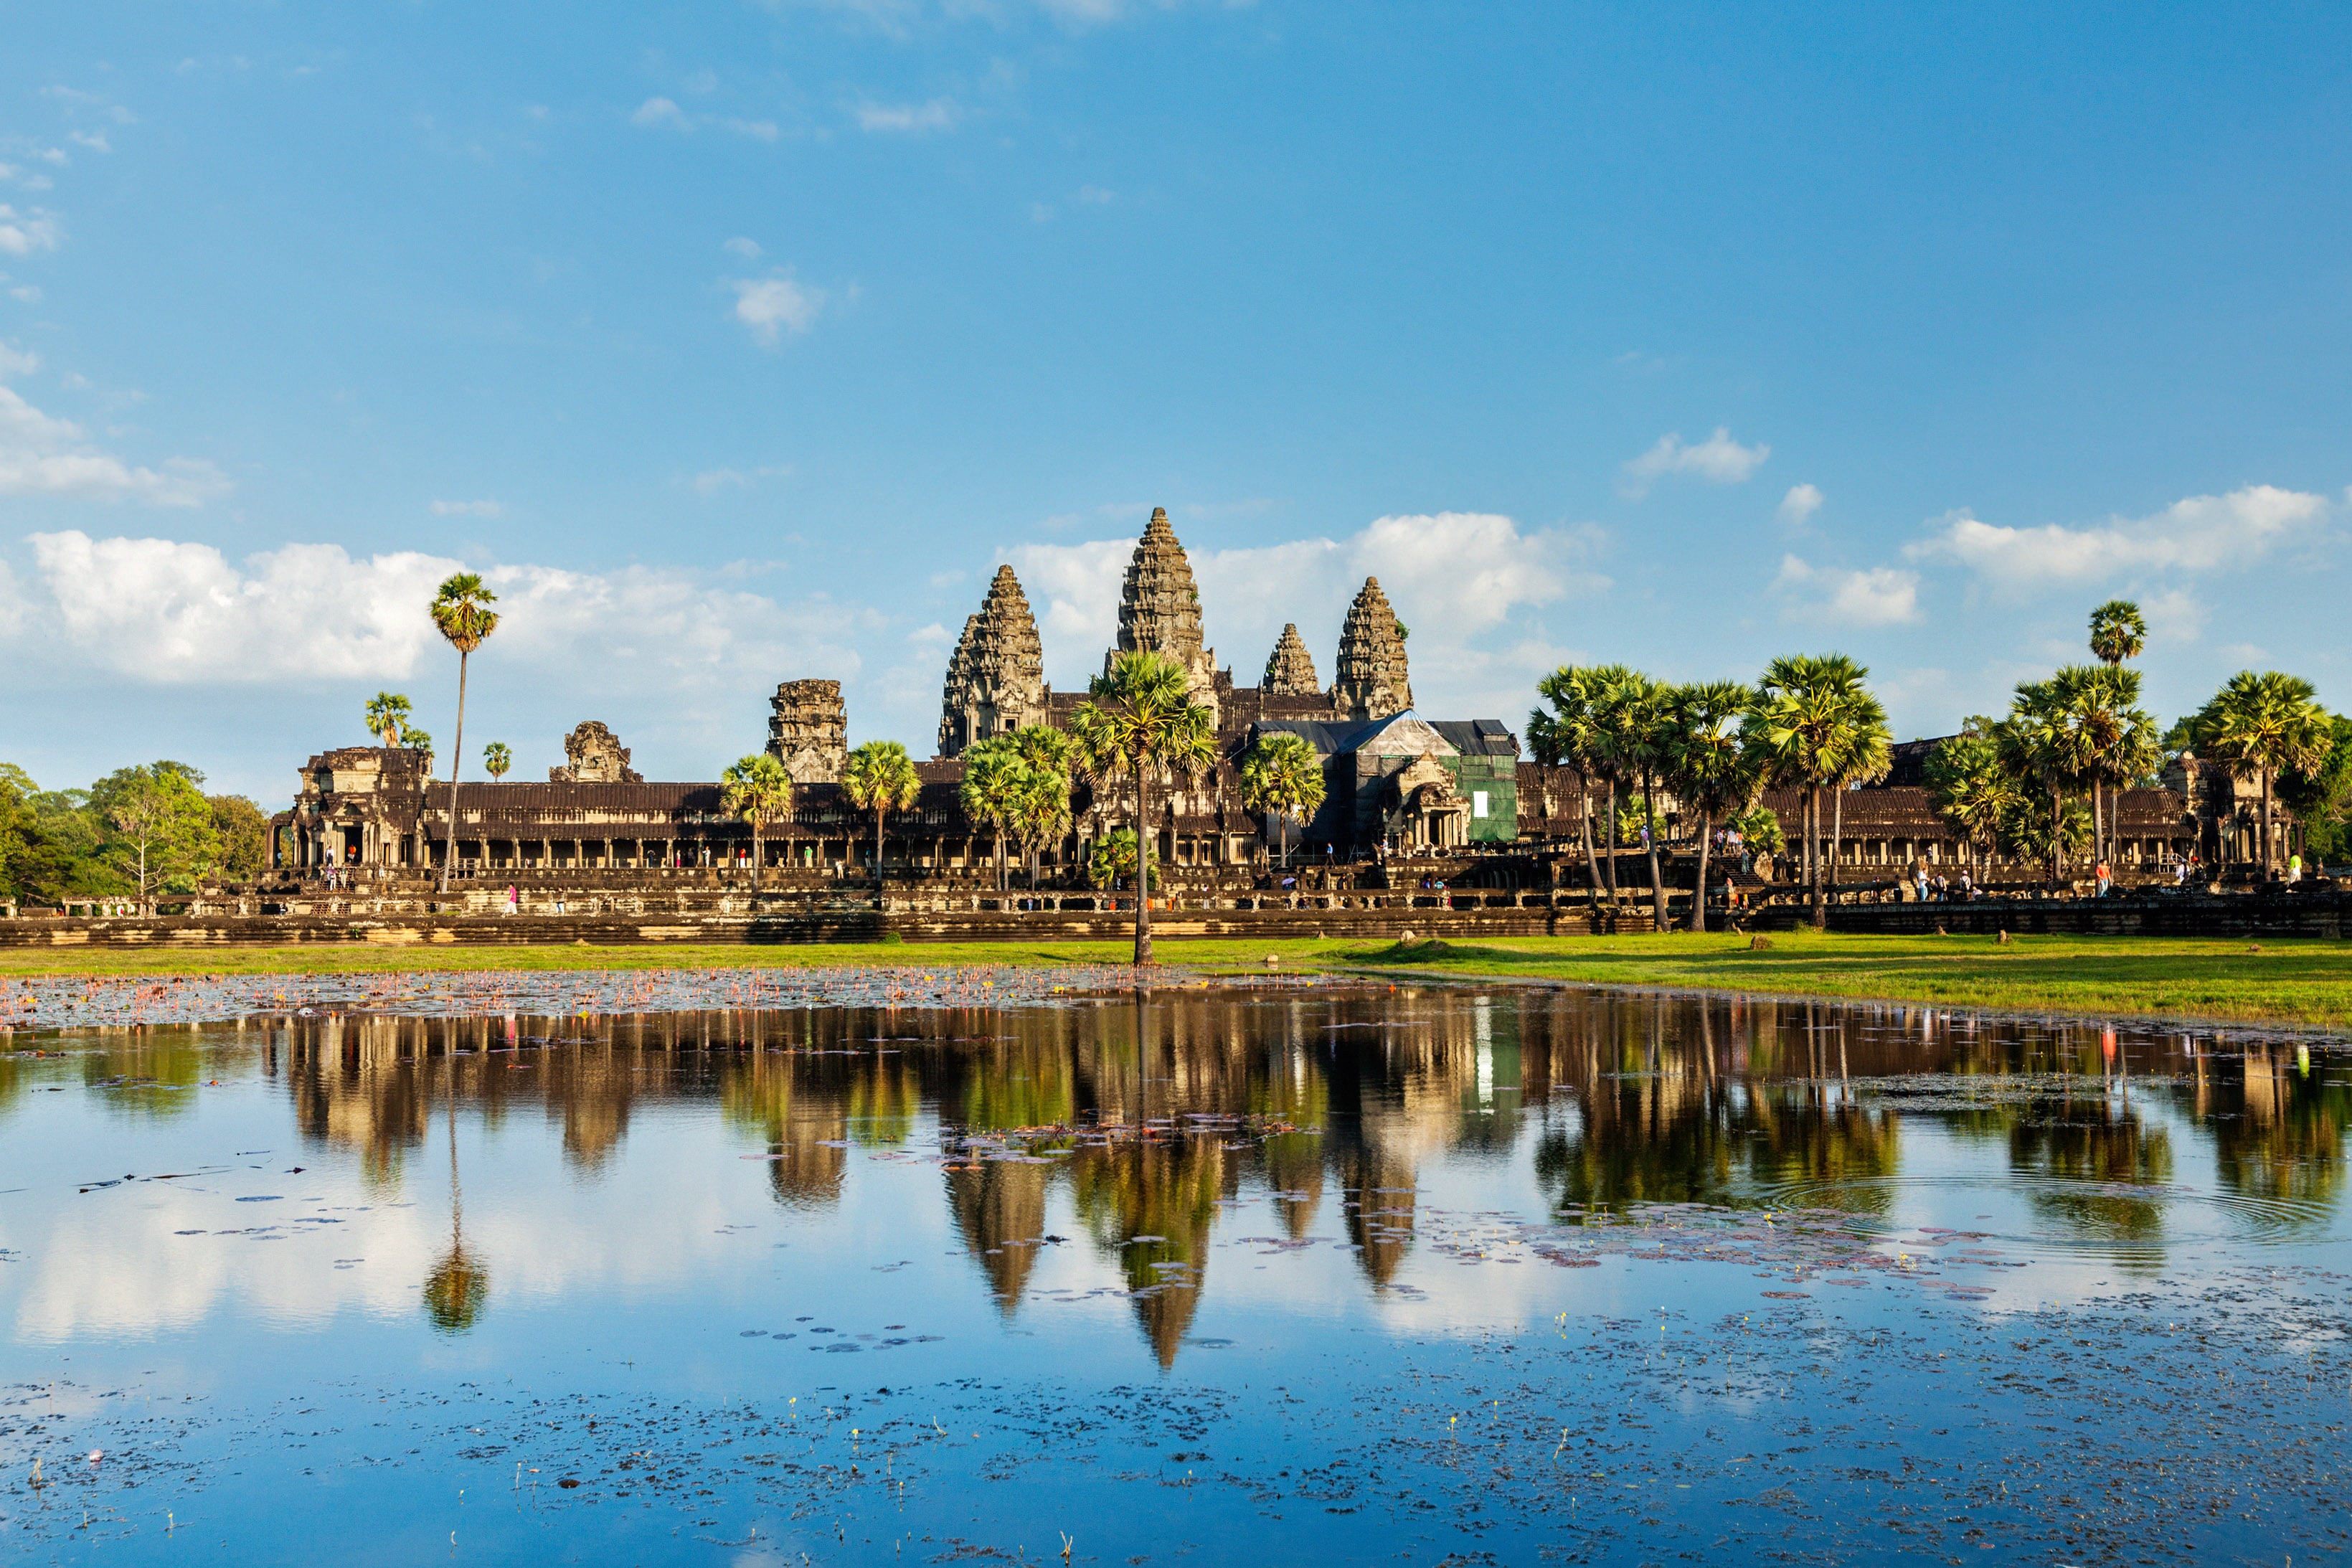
[2305, 984]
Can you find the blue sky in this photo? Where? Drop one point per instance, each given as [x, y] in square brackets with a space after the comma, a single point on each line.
[739, 342]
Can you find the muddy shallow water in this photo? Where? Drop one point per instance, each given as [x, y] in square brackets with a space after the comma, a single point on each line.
[914, 1266]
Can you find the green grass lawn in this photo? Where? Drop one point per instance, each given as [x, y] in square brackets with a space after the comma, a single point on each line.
[2302, 983]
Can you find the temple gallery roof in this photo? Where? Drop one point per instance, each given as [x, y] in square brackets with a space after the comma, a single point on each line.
[1401, 735]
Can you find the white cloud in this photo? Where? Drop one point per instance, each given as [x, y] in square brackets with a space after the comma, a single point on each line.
[1458, 579]
[747, 248]
[22, 234]
[660, 112]
[167, 612]
[773, 306]
[14, 361]
[1799, 503]
[1718, 459]
[2201, 533]
[94, 140]
[939, 114]
[758, 129]
[1879, 596]
[2175, 616]
[42, 456]
[466, 509]
[1094, 196]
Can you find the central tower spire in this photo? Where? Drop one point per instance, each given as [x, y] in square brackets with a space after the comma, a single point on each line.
[1160, 608]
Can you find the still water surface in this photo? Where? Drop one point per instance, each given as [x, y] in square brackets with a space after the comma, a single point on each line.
[1329, 1272]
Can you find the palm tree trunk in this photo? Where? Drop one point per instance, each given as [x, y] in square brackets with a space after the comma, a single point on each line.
[1813, 844]
[1658, 920]
[1699, 898]
[2099, 823]
[1584, 831]
[1142, 868]
[1611, 826]
[759, 861]
[878, 854]
[1000, 860]
[2267, 856]
[456, 759]
[1837, 835]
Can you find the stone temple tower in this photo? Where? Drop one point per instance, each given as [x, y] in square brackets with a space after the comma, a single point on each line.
[997, 680]
[1373, 681]
[1159, 609]
[1290, 668]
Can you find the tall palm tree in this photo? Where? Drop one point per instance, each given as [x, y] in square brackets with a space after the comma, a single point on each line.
[1864, 754]
[1709, 768]
[2118, 631]
[2045, 739]
[2262, 723]
[1801, 726]
[1283, 775]
[1609, 687]
[2118, 741]
[994, 774]
[1138, 719]
[497, 759]
[1565, 738]
[1971, 788]
[756, 790]
[1637, 718]
[462, 612]
[881, 777]
[387, 715]
[1041, 804]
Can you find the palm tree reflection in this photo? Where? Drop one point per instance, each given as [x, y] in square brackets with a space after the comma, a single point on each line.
[460, 1283]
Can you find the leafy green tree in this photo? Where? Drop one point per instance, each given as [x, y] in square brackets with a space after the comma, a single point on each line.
[17, 791]
[462, 613]
[1567, 737]
[1607, 691]
[881, 777]
[2118, 632]
[1041, 806]
[2321, 797]
[162, 825]
[1707, 767]
[2263, 722]
[1972, 787]
[757, 790]
[241, 833]
[994, 774]
[1112, 857]
[497, 759]
[1759, 828]
[388, 713]
[1811, 727]
[1281, 775]
[1636, 719]
[1865, 751]
[1139, 719]
[2039, 742]
[57, 844]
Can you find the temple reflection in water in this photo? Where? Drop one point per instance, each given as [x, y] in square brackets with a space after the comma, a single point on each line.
[1325, 1105]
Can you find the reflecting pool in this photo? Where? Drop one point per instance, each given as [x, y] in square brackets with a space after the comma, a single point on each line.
[926, 1268]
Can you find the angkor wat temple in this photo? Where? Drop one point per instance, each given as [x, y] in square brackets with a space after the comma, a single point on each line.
[1401, 790]
[1394, 781]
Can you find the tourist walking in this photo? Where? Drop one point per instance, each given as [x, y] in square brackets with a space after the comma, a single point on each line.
[2103, 878]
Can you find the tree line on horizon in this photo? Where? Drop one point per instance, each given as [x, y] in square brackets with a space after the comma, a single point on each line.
[2041, 782]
